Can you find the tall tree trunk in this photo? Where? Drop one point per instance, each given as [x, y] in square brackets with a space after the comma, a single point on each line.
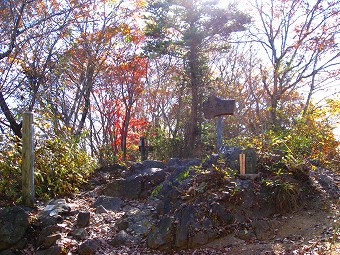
[194, 86]
[125, 131]
[16, 128]
[86, 95]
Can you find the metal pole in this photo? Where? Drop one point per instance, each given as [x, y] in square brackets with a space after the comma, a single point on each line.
[27, 160]
[219, 132]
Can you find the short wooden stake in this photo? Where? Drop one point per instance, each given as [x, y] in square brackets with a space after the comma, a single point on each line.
[242, 164]
[28, 195]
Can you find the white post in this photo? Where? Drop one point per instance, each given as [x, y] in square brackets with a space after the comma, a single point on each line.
[28, 195]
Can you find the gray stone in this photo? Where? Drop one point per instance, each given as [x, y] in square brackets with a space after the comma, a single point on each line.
[213, 159]
[89, 247]
[7, 252]
[245, 234]
[162, 236]
[251, 161]
[136, 186]
[54, 250]
[13, 225]
[152, 164]
[121, 238]
[222, 214]
[264, 229]
[122, 225]
[48, 231]
[127, 188]
[50, 240]
[186, 220]
[79, 234]
[53, 212]
[174, 161]
[198, 239]
[100, 209]
[109, 203]
[83, 219]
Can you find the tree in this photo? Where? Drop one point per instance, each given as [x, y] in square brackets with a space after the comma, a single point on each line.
[23, 24]
[189, 30]
[129, 75]
[299, 40]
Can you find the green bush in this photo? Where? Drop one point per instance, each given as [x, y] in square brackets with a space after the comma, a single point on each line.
[61, 168]
[10, 170]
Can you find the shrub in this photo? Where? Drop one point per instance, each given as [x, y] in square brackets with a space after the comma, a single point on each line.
[285, 194]
[61, 168]
[10, 169]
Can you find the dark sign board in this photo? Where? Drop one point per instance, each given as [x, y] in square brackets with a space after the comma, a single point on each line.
[215, 106]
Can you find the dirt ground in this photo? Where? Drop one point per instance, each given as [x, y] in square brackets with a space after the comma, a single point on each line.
[312, 229]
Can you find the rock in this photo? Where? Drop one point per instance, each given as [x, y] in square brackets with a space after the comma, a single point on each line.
[186, 220]
[7, 252]
[109, 203]
[136, 186]
[264, 229]
[54, 250]
[120, 239]
[53, 212]
[50, 240]
[83, 219]
[245, 234]
[100, 209]
[174, 161]
[153, 164]
[112, 168]
[79, 234]
[138, 219]
[127, 188]
[200, 238]
[48, 231]
[140, 166]
[89, 247]
[222, 214]
[13, 225]
[162, 236]
[122, 225]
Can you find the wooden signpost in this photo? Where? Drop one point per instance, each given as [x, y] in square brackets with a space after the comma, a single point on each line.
[27, 160]
[245, 160]
[216, 107]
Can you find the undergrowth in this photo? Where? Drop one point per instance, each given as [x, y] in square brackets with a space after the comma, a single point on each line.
[61, 168]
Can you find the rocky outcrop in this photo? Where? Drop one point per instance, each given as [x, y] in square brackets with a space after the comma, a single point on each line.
[179, 205]
[144, 178]
[13, 225]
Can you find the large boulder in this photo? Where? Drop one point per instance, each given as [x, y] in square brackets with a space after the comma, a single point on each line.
[109, 203]
[13, 225]
[161, 237]
[53, 213]
[136, 186]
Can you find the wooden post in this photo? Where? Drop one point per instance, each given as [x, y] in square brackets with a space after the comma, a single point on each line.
[142, 148]
[219, 132]
[242, 164]
[28, 195]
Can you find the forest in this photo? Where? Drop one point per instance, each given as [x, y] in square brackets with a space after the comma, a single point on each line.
[99, 74]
